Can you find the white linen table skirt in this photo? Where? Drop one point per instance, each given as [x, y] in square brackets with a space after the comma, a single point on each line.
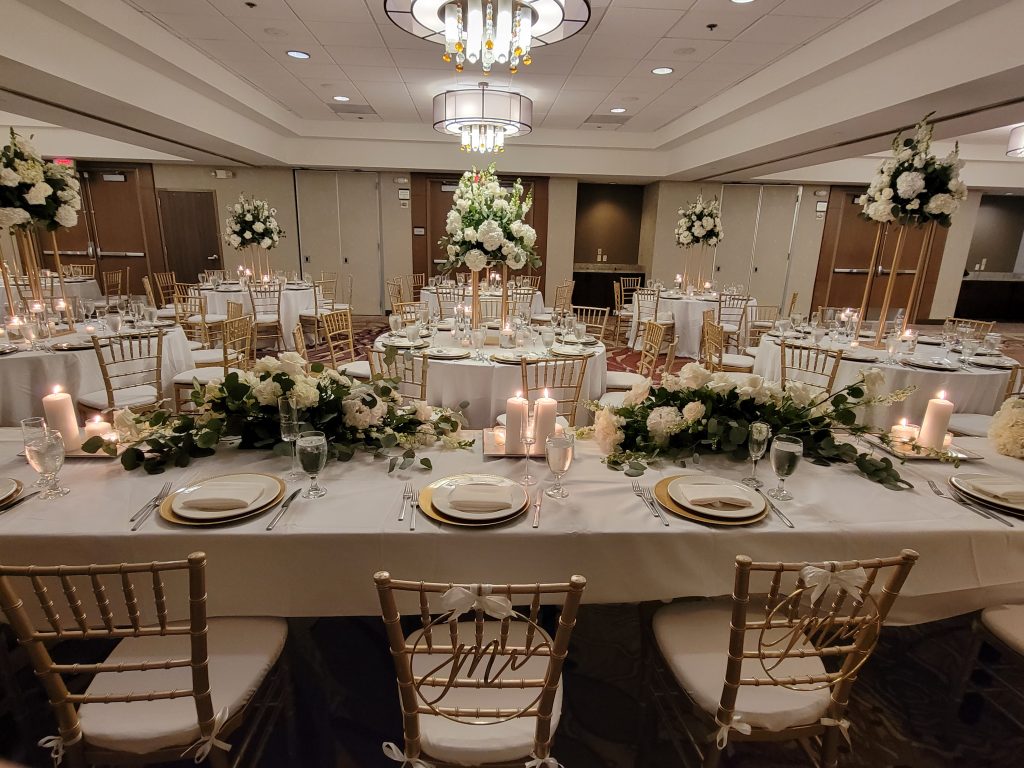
[83, 287]
[487, 385]
[428, 295]
[294, 302]
[973, 391]
[688, 313]
[321, 557]
[25, 377]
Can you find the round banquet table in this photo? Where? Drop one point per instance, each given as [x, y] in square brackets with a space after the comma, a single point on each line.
[428, 295]
[76, 287]
[295, 300]
[978, 390]
[487, 385]
[25, 377]
[688, 313]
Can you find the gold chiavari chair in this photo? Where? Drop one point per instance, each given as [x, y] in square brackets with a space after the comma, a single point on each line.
[813, 366]
[792, 304]
[445, 716]
[325, 294]
[520, 302]
[161, 312]
[594, 319]
[630, 285]
[977, 424]
[490, 309]
[131, 368]
[978, 327]
[561, 377]
[730, 314]
[408, 369]
[396, 295]
[449, 297]
[345, 293]
[227, 667]
[533, 281]
[760, 319]
[165, 287]
[87, 270]
[670, 358]
[266, 308]
[299, 339]
[115, 285]
[235, 309]
[623, 313]
[646, 302]
[218, 273]
[328, 276]
[412, 311]
[792, 657]
[190, 314]
[235, 353]
[340, 339]
[562, 305]
[416, 283]
[713, 354]
[48, 285]
[617, 383]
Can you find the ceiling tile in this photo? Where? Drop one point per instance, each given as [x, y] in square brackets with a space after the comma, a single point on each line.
[572, 47]
[544, 64]
[642, 71]
[231, 50]
[324, 69]
[346, 55]
[194, 25]
[792, 30]
[331, 10]
[285, 32]
[201, 7]
[722, 72]
[673, 49]
[643, 85]
[264, 9]
[359, 74]
[327, 88]
[591, 83]
[729, 19]
[671, 5]
[832, 9]
[598, 64]
[638, 21]
[346, 33]
[739, 52]
[408, 57]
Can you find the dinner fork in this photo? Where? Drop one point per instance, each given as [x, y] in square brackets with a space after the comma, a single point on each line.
[155, 500]
[639, 493]
[649, 498]
[412, 512]
[982, 512]
[406, 498]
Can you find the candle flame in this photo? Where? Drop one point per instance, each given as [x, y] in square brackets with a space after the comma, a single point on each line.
[96, 419]
[903, 422]
[58, 389]
[942, 394]
[519, 393]
[545, 391]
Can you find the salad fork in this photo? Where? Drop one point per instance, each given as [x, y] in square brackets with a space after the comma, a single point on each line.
[406, 498]
[155, 500]
[639, 493]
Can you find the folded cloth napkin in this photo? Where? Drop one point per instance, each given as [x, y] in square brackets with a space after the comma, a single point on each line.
[222, 497]
[480, 497]
[1006, 489]
[709, 495]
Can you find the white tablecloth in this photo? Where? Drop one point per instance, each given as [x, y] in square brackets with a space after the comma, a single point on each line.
[25, 377]
[85, 288]
[688, 313]
[320, 559]
[487, 385]
[428, 295]
[294, 302]
[974, 391]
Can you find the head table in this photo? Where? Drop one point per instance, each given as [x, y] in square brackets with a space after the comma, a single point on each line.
[320, 559]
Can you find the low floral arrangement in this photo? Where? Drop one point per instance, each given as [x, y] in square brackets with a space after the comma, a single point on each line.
[33, 190]
[700, 223]
[252, 223]
[912, 186]
[698, 411]
[485, 225]
[367, 416]
[1006, 432]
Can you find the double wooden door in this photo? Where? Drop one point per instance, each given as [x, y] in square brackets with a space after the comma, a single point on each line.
[190, 228]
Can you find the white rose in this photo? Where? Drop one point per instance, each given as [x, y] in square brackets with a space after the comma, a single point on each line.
[248, 235]
[475, 259]
[638, 393]
[453, 225]
[508, 248]
[266, 242]
[880, 210]
[671, 382]
[874, 380]
[712, 241]
[267, 365]
[1006, 431]
[248, 217]
[66, 216]
[801, 393]
[469, 234]
[698, 230]
[304, 394]
[424, 411]
[292, 363]
[607, 432]
[517, 260]
[9, 177]
[941, 204]
[235, 241]
[914, 204]
[694, 376]
[693, 411]
[267, 392]
[462, 205]
[258, 227]
[38, 194]
[238, 207]
[887, 193]
[721, 383]
[664, 422]
[909, 184]
[452, 250]
[516, 228]
[707, 222]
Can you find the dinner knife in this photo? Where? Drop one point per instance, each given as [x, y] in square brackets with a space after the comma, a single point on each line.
[284, 508]
[16, 502]
[536, 508]
[776, 510]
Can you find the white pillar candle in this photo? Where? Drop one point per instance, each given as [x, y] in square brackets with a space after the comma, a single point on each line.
[60, 415]
[97, 427]
[517, 413]
[545, 409]
[936, 420]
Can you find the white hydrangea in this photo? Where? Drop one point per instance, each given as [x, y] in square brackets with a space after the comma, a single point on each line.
[663, 422]
[1006, 432]
[638, 393]
[941, 204]
[721, 383]
[518, 259]
[671, 382]
[9, 177]
[801, 393]
[909, 184]
[469, 235]
[304, 393]
[234, 241]
[874, 381]
[453, 224]
[358, 415]
[12, 217]
[694, 376]
[38, 193]
[490, 235]
[476, 259]
[607, 430]
[267, 392]
[66, 216]
[258, 227]
[293, 364]
[267, 364]
[529, 236]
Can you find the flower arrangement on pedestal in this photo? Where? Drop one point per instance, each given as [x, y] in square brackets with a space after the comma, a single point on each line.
[35, 191]
[700, 224]
[913, 186]
[252, 223]
[1006, 432]
[367, 416]
[700, 411]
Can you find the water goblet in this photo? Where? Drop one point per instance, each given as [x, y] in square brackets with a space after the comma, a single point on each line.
[311, 448]
[291, 428]
[547, 337]
[114, 322]
[815, 320]
[892, 347]
[479, 337]
[968, 347]
[45, 453]
[559, 450]
[101, 317]
[992, 342]
[818, 334]
[785, 455]
[395, 322]
[529, 437]
[757, 442]
[33, 427]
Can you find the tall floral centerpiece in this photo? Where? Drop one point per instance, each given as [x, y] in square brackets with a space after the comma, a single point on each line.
[252, 227]
[486, 228]
[699, 225]
[35, 192]
[911, 188]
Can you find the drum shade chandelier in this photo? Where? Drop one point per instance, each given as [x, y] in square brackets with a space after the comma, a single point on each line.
[489, 32]
[1016, 146]
[483, 118]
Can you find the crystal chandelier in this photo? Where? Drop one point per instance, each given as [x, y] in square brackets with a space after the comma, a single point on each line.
[489, 32]
[483, 118]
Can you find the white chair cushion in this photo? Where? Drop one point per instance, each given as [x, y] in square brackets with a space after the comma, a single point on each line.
[358, 369]
[202, 375]
[267, 319]
[622, 379]
[970, 424]
[750, 351]
[543, 318]
[208, 356]
[737, 361]
[166, 314]
[560, 420]
[1007, 623]
[762, 324]
[471, 744]
[613, 399]
[730, 327]
[242, 651]
[209, 318]
[194, 345]
[694, 641]
[142, 394]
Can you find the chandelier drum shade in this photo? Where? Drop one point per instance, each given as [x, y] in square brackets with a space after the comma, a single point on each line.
[483, 118]
[489, 32]
[1016, 145]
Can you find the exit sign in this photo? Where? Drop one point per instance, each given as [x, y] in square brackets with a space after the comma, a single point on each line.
[69, 162]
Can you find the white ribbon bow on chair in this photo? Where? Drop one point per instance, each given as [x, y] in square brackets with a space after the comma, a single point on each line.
[458, 600]
[392, 752]
[542, 762]
[843, 725]
[57, 745]
[736, 724]
[819, 580]
[206, 744]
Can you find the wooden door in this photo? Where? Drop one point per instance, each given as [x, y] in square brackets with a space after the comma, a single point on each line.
[191, 237]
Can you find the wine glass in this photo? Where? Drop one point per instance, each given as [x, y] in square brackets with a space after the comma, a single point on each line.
[547, 336]
[291, 428]
[114, 321]
[311, 448]
[968, 347]
[785, 455]
[33, 427]
[559, 450]
[529, 437]
[756, 444]
[892, 347]
[479, 337]
[395, 322]
[45, 452]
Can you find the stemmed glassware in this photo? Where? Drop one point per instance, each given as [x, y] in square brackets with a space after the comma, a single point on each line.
[892, 347]
[529, 437]
[291, 428]
[479, 337]
[968, 346]
[559, 450]
[785, 455]
[114, 321]
[45, 452]
[31, 428]
[757, 442]
[311, 448]
[395, 322]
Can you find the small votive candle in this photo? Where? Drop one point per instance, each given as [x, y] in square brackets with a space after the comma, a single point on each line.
[947, 441]
[903, 432]
[499, 437]
[96, 427]
[90, 329]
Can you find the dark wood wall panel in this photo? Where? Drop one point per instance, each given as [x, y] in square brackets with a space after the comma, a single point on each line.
[608, 217]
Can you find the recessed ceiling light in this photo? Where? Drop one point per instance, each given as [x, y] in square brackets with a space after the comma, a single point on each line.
[617, 110]
[341, 98]
[742, 2]
[662, 71]
[298, 54]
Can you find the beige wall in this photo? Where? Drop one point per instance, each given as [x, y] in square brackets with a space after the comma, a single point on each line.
[271, 184]
[561, 233]
[803, 259]
[954, 257]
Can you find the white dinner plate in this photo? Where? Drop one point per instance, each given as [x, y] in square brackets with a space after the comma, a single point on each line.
[935, 364]
[585, 339]
[934, 340]
[8, 487]
[403, 343]
[962, 483]
[447, 353]
[571, 350]
[992, 362]
[269, 488]
[512, 356]
[726, 512]
[860, 356]
[442, 503]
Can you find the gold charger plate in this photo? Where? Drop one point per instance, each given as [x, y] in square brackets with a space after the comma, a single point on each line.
[666, 501]
[169, 515]
[427, 493]
[13, 495]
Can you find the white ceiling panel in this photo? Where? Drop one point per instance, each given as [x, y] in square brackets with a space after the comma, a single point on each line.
[359, 74]
[408, 58]
[598, 63]
[358, 35]
[264, 9]
[177, 6]
[644, 84]
[642, 72]
[784, 29]
[670, 50]
[346, 55]
[740, 52]
[669, 5]
[288, 32]
[832, 9]
[591, 83]
[331, 10]
[193, 25]
[638, 21]
[231, 50]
